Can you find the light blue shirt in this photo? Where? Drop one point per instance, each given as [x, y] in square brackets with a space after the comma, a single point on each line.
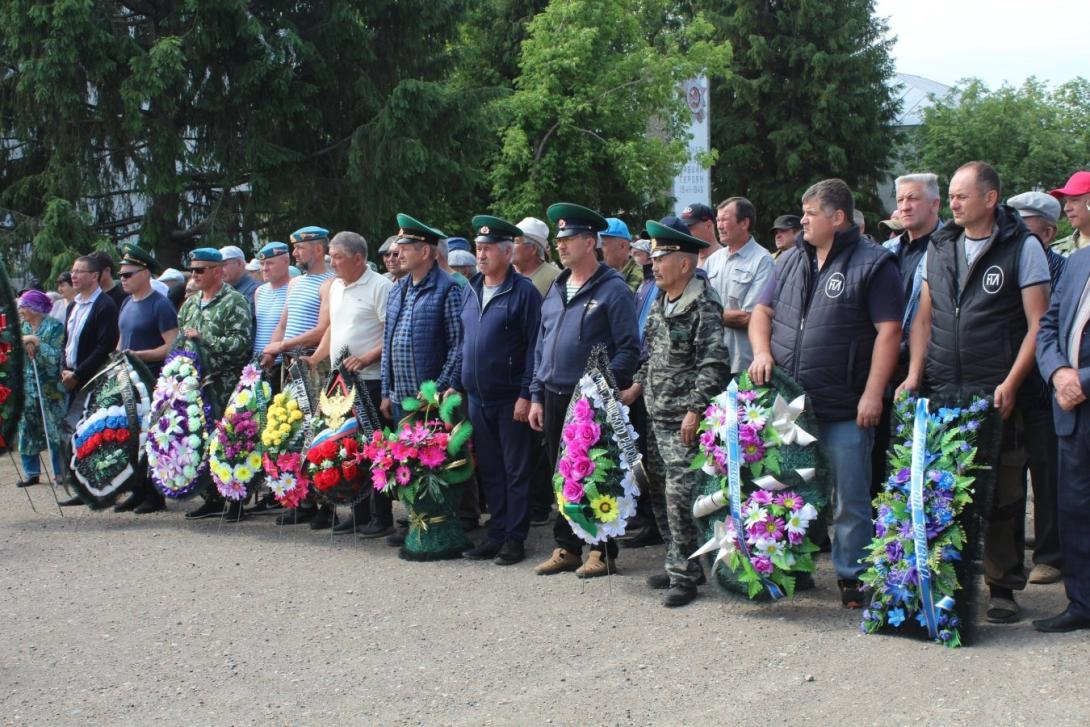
[76, 322]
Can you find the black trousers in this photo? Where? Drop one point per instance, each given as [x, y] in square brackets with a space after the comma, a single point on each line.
[1074, 510]
[1043, 467]
[556, 407]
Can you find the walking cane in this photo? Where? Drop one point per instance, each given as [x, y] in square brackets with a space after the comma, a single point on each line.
[45, 430]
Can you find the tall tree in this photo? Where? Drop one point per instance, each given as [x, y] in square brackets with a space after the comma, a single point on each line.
[218, 121]
[808, 98]
[1034, 137]
[596, 115]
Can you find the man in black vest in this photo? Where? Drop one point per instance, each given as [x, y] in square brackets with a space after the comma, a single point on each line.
[834, 305]
[986, 286]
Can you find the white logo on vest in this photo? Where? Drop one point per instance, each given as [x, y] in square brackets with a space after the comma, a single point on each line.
[993, 280]
[834, 286]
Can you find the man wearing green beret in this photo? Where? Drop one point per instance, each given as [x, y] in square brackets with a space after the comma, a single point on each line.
[687, 365]
[218, 318]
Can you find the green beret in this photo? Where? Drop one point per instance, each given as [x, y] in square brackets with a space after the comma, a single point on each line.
[413, 230]
[206, 255]
[667, 239]
[572, 219]
[493, 229]
[135, 255]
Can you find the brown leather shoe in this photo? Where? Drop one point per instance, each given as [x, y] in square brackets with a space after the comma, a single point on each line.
[596, 566]
[559, 562]
[1044, 573]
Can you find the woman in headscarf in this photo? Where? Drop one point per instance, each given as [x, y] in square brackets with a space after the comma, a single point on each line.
[43, 339]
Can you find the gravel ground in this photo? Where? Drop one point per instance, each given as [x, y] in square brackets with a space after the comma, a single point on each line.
[124, 619]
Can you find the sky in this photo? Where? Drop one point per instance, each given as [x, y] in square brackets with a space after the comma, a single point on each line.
[997, 41]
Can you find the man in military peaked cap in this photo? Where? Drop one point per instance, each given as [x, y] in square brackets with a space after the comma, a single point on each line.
[587, 305]
[501, 315]
[687, 365]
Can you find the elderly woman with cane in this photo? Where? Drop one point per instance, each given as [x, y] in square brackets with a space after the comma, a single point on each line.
[43, 339]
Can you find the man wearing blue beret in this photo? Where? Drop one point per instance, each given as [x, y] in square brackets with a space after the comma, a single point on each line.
[218, 318]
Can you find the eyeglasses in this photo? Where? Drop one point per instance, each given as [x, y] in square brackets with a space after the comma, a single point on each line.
[80, 272]
[126, 276]
[200, 270]
[389, 254]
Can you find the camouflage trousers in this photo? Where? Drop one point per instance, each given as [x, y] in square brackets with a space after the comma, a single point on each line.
[672, 489]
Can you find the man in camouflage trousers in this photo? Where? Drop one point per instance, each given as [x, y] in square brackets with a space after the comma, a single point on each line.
[688, 364]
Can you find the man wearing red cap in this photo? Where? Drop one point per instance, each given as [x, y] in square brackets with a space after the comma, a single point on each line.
[1075, 198]
[1063, 356]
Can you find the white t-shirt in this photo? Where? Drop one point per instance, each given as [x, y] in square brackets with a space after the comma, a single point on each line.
[357, 315]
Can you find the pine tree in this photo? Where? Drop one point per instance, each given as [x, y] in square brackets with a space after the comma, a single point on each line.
[807, 98]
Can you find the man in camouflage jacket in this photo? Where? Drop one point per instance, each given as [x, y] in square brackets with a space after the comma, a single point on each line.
[687, 365]
[218, 317]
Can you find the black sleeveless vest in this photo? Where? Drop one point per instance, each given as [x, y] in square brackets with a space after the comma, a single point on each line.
[978, 321]
[825, 340]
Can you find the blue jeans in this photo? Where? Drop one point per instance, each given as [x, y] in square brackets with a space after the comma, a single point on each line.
[32, 466]
[849, 450]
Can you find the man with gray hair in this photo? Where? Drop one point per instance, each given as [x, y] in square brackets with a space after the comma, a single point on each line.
[531, 256]
[834, 304]
[357, 316]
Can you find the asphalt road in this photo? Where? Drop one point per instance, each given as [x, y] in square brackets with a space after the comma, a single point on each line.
[125, 619]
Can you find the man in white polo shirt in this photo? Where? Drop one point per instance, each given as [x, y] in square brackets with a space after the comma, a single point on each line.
[357, 316]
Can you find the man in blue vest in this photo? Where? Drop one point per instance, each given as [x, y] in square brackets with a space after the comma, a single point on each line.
[830, 315]
[986, 286]
[422, 340]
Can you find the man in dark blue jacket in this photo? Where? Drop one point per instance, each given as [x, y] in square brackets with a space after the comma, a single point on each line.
[501, 314]
[589, 304]
[1063, 356]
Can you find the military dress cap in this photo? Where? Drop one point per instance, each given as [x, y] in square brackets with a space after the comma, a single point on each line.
[135, 255]
[271, 250]
[309, 234]
[491, 229]
[697, 212]
[666, 237]
[572, 219]
[413, 230]
[1036, 204]
[206, 255]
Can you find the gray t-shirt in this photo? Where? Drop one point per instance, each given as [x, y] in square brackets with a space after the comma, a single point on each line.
[1032, 263]
[487, 291]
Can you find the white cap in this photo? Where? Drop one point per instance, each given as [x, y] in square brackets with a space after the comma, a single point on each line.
[253, 266]
[172, 274]
[535, 230]
[461, 258]
[232, 252]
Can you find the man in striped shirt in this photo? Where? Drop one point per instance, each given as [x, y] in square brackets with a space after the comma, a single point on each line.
[302, 324]
[269, 300]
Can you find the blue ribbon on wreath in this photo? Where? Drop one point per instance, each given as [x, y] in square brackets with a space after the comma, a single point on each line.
[919, 518]
[734, 484]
